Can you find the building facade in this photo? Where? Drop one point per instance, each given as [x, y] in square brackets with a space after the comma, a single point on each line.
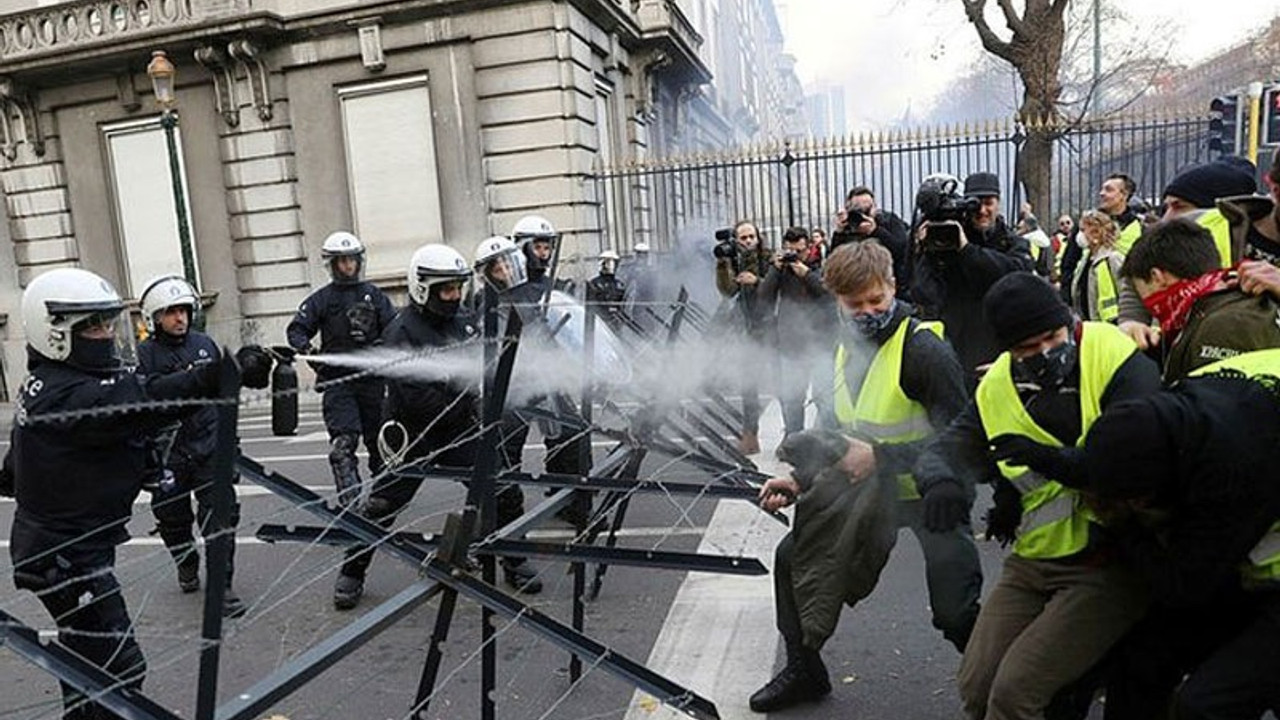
[406, 122]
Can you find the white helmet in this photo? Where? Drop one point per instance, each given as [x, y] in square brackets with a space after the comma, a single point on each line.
[533, 227]
[165, 292]
[501, 263]
[338, 245]
[608, 262]
[59, 302]
[434, 264]
[609, 255]
[642, 248]
[341, 244]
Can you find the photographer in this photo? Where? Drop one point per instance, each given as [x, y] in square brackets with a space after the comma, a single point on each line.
[862, 219]
[964, 248]
[741, 263]
[792, 291]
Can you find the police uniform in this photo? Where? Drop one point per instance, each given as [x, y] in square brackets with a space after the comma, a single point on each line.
[349, 316]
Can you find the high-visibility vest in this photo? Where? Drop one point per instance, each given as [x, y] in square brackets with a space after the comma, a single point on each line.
[1217, 224]
[1264, 558]
[1054, 522]
[1129, 235]
[1108, 308]
[882, 411]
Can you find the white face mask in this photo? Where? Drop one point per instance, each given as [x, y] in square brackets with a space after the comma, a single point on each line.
[1082, 241]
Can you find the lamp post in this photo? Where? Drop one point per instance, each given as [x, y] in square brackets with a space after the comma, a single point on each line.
[162, 73]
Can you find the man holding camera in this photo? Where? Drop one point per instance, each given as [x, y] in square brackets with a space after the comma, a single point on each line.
[862, 219]
[741, 263]
[792, 291]
[959, 260]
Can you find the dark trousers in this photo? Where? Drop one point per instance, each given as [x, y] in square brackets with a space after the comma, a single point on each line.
[93, 622]
[355, 408]
[953, 574]
[175, 517]
[1230, 648]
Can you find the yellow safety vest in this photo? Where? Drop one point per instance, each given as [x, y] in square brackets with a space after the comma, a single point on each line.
[1264, 558]
[883, 412]
[1218, 226]
[1054, 522]
[1129, 235]
[1108, 309]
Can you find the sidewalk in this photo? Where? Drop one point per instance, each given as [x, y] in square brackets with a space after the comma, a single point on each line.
[719, 639]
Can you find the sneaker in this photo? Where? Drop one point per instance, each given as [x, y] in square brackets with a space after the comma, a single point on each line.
[189, 572]
[522, 578]
[749, 443]
[346, 592]
[794, 685]
[232, 605]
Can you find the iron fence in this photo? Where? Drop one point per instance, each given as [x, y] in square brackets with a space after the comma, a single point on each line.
[804, 183]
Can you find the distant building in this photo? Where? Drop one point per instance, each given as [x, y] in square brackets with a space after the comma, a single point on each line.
[826, 111]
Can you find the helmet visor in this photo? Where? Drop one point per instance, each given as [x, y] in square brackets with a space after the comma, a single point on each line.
[505, 270]
[98, 328]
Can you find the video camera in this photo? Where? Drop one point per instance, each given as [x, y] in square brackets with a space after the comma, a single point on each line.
[726, 246]
[941, 205]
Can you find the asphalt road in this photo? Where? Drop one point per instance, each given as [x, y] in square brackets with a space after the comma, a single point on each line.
[886, 661]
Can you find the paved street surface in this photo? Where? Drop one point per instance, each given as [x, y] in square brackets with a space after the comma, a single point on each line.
[713, 634]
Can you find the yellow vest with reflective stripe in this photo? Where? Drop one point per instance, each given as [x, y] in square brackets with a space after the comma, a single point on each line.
[1054, 523]
[883, 412]
[1264, 558]
[1108, 308]
[1129, 235]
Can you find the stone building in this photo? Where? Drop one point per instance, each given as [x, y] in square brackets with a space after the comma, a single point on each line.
[405, 121]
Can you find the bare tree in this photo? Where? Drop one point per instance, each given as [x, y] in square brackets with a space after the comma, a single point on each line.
[1034, 49]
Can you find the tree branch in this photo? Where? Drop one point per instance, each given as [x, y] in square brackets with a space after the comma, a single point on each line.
[990, 41]
[1011, 18]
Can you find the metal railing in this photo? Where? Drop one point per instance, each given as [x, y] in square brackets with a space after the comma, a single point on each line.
[804, 183]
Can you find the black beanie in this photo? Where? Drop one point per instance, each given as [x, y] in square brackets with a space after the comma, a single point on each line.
[1021, 305]
[1131, 450]
[982, 184]
[1202, 185]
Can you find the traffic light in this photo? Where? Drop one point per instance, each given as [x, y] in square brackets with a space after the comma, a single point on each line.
[1271, 116]
[1224, 124]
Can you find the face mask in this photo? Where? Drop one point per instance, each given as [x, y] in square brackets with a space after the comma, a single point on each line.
[94, 354]
[443, 308]
[1048, 369]
[870, 325]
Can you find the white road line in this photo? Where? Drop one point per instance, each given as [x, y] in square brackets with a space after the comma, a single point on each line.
[719, 638]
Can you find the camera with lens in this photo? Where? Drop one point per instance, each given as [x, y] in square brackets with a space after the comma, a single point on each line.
[939, 204]
[726, 247]
[788, 257]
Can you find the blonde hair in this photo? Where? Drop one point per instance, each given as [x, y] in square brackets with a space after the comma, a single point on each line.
[1107, 229]
[854, 267]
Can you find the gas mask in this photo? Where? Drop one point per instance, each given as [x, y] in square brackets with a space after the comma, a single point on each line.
[1048, 368]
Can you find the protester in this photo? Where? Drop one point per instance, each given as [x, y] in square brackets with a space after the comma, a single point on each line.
[1095, 295]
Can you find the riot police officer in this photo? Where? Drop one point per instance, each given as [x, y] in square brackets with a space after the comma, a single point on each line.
[537, 238]
[606, 292]
[350, 314]
[170, 307]
[425, 419]
[75, 477]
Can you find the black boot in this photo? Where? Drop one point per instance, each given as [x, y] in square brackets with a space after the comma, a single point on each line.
[189, 571]
[521, 577]
[232, 605]
[347, 591]
[804, 679]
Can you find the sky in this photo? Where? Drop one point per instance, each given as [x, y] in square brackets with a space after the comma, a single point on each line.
[894, 56]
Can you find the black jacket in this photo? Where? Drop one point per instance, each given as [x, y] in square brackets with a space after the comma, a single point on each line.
[442, 410]
[803, 311]
[191, 456]
[348, 316]
[76, 479]
[1221, 493]
[962, 452]
[893, 233]
[951, 285]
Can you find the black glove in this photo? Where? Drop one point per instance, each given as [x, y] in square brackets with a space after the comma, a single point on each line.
[1004, 517]
[255, 366]
[209, 377]
[945, 506]
[1063, 464]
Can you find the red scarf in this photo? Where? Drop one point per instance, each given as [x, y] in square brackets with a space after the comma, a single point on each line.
[1172, 305]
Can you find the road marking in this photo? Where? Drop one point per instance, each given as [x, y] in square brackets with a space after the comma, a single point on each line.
[719, 638]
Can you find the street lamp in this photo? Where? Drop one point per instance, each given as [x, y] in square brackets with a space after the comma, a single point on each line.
[163, 73]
